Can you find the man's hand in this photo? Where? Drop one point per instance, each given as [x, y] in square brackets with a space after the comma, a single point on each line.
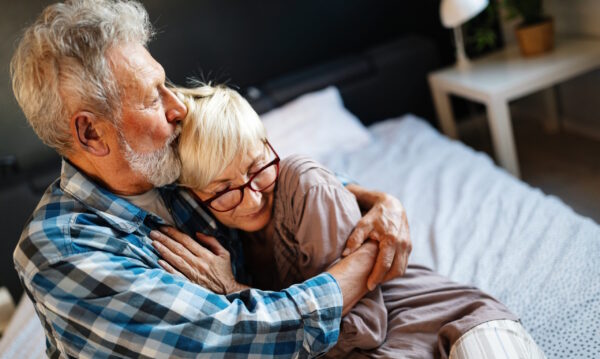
[210, 268]
[386, 223]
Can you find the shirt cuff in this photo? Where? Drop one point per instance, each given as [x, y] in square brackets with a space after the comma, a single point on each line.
[319, 301]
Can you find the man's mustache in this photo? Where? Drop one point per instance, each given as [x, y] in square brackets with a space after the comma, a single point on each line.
[171, 140]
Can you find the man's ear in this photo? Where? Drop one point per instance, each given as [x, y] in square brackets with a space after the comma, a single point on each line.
[90, 133]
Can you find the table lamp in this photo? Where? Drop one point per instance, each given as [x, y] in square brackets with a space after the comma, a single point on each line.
[454, 13]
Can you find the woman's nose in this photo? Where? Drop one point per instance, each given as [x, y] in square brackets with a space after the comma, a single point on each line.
[251, 199]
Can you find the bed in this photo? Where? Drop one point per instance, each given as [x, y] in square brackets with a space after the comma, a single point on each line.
[469, 219]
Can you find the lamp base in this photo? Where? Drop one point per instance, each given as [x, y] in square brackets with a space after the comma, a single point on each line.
[462, 61]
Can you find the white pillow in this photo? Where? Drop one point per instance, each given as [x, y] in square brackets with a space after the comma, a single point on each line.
[315, 124]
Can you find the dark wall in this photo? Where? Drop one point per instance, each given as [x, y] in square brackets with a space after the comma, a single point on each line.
[251, 41]
[245, 42]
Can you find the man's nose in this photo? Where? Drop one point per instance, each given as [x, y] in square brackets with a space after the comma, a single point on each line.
[175, 110]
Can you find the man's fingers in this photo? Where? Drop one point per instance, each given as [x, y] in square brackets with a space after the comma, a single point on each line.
[211, 243]
[383, 263]
[356, 238]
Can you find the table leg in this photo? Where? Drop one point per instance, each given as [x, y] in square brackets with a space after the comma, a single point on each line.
[502, 135]
[551, 122]
[443, 108]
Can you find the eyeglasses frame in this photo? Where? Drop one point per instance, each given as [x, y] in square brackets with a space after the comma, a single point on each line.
[242, 188]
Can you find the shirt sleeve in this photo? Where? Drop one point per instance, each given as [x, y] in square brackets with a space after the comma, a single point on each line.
[104, 304]
[326, 213]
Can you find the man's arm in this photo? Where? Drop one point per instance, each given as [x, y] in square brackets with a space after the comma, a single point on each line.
[103, 303]
[211, 268]
[385, 222]
[351, 274]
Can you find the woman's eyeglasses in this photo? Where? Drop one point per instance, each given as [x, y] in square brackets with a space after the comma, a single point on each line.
[228, 199]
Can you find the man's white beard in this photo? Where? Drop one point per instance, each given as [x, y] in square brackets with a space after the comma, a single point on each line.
[160, 167]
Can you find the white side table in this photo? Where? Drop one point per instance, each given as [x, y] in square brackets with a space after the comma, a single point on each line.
[498, 78]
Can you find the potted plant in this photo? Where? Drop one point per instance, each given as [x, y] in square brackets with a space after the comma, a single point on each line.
[535, 33]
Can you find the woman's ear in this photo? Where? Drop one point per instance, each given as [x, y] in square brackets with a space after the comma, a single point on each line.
[90, 133]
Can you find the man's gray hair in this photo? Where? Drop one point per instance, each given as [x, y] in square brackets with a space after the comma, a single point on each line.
[60, 64]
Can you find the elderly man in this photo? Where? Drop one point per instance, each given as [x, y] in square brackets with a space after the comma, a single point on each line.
[91, 90]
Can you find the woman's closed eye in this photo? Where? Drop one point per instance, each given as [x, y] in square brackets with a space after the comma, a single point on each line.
[256, 168]
[220, 188]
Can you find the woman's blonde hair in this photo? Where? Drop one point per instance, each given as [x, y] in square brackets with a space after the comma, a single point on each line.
[220, 124]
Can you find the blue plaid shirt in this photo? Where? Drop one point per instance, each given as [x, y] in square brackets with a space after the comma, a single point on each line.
[87, 263]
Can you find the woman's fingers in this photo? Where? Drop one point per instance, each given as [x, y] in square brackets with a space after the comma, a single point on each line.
[359, 235]
[176, 262]
[166, 266]
[211, 243]
[383, 263]
[183, 239]
[174, 246]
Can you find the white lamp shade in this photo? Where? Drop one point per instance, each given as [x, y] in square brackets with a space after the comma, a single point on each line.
[456, 12]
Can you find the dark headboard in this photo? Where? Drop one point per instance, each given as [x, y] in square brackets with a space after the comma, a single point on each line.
[382, 82]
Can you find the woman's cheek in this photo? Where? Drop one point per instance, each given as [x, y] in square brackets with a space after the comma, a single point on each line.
[230, 221]
[224, 218]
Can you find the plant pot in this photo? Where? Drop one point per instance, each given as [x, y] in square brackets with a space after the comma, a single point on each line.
[537, 38]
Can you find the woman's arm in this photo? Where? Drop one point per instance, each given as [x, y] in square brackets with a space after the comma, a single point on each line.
[321, 216]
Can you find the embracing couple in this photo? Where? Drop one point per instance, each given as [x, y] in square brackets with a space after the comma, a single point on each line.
[175, 230]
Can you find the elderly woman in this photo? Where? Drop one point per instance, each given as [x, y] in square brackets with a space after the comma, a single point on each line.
[294, 217]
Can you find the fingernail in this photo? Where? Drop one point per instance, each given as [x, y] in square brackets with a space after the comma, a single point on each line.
[153, 234]
[346, 252]
[157, 244]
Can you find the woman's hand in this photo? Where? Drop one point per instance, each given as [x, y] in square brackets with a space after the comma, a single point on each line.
[386, 223]
[208, 265]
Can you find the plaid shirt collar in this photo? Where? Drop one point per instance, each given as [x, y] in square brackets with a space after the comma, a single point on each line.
[117, 211]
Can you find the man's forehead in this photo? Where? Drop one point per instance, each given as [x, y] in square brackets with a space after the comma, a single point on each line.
[133, 61]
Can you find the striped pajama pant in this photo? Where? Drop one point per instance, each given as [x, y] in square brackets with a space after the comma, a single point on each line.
[496, 339]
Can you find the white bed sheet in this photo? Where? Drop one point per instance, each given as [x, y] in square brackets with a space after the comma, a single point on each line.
[475, 223]
[24, 337]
